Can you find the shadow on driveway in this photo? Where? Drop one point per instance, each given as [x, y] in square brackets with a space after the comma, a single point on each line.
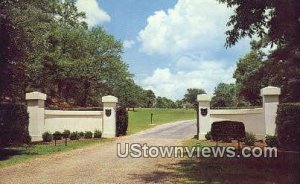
[284, 169]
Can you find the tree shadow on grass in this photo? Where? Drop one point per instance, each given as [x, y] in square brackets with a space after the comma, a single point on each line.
[284, 169]
[7, 153]
[161, 175]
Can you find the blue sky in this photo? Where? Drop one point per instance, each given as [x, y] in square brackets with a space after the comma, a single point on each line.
[170, 45]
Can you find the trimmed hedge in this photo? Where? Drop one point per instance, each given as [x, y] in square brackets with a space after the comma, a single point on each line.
[97, 134]
[66, 133]
[208, 135]
[57, 135]
[122, 121]
[14, 121]
[81, 134]
[271, 141]
[47, 137]
[88, 135]
[227, 130]
[74, 136]
[288, 126]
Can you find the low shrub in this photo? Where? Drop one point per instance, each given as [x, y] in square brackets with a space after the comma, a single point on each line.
[14, 122]
[66, 133]
[47, 137]
[122, 121]
[74, 136]
[97, 134]
[57, 135]
[271, 141]
[81, 134]
[249, 139]
[88, 135]
[208, 135]
[227, 140]
[288, 126]
[226, 131]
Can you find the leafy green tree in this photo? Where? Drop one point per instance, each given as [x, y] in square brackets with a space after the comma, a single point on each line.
[248, 75]
[163, 102]
[13, 52]
[131, 95]
[47, 47]
[275, 22]
[150, 98]
[276, 19]
[191, 95]
[224, 96]
[179, 103]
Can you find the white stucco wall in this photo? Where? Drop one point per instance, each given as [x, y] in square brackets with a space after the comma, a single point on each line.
[57, 120]
[253, 119]
[260, 121]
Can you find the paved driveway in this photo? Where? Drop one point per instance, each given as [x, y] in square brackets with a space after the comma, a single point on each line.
[100, 164]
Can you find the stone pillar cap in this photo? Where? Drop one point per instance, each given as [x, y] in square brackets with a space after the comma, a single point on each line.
[36, 96]
[270, 90]
[203, 98]
[109, 99]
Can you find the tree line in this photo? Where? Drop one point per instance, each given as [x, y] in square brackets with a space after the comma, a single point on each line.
[46, 46]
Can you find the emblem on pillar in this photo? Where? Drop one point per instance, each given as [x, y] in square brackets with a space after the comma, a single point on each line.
[107, 112]
[203, 111]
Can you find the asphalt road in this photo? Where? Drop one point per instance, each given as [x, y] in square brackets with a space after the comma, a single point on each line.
[178, 130]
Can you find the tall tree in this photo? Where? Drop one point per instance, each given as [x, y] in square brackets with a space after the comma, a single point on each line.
[150, 98]
[163, 102]
[248, 75]
[276, 19]
[47, 47]
[191, 95]
[276, 22]
[13, 52]
[224, 96]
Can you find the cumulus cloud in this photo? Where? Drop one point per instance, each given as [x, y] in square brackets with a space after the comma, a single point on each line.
[128, 44]
[192, 36]
[192, 25]
[204, 74]
[95, 15]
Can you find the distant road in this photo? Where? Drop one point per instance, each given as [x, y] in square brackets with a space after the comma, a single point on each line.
[178, 130]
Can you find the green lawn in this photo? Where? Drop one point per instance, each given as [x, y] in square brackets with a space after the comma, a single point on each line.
[140, 119]
[283, 169]
[11, 156]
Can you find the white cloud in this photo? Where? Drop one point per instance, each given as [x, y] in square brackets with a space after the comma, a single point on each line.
[204, 74]
[95, 15]
[128, 44]
[192, 36]
[192, 25]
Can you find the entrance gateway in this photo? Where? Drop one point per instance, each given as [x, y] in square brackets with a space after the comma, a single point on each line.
[259, 121]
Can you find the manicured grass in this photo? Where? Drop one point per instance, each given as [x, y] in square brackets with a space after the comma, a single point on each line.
[283, 169]
[140, 119]
[201, 143]
[11, 156]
